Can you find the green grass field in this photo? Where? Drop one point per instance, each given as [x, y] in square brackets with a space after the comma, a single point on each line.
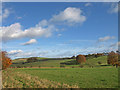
[56, 63]
[19, 60]
[62, 77]
[91, 75]
[49, 63]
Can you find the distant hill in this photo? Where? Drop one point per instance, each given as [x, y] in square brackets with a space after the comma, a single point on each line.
[57, 62]
[18, 60]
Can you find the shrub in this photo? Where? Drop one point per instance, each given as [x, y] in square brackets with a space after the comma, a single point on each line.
[73, 57]
[96, 56]
[23, 62]
[18, 66]
[73, 67]
[62, 65]
[81, 66]
[39, 66]
[80, 59]
[112, 59]
[6, 61]
[32, 59]
[52, 66]
[24, 66]
[119, 64]
[91, 66]
[99, 62]
[99, 54]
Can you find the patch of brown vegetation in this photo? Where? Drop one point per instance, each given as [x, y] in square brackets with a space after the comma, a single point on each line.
[22, 80]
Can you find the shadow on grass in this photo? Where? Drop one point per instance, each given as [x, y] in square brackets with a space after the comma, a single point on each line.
[105, 65]
[72, 62]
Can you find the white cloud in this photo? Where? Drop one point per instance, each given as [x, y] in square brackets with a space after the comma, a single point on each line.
[113, 45]
[13, 52]
[43, 23]
[62, 52]
[44, 28]
[88, 4]
[75, 51]
[22, 55]
[25, 54]
[113, 8]
[4, 14]
[106, 38]
[69, 16]
[116, 44]
[59, 35]
[30, 42]
[14, 31]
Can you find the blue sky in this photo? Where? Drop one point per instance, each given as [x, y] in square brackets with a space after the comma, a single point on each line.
[58, 29]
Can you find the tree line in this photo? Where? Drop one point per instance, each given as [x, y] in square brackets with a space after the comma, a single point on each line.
[113, 58]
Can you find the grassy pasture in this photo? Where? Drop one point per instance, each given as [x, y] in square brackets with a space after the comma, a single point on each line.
[99, 76]
[17, 79]
[56, 63]
[48, 63]
[19, 60]
[62, 77]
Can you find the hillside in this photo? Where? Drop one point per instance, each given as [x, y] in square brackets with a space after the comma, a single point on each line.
[61, 78]
[19, 60]
[49, 62]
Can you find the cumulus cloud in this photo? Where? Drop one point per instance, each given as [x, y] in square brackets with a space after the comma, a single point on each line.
[113, 8]
[44, 28]
[70, 15]
[13, 52]
[88, 4]
[106, 38]
[14, 31]
[30, 42]
[43, 23]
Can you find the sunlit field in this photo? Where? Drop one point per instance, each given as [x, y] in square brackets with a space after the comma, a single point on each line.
[62, 77]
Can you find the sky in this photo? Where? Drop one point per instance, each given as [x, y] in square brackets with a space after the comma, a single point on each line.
[58, 29]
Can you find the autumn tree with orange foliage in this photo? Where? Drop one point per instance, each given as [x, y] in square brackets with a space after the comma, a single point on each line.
[113, 59]
[80, 59]
[6, 61]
